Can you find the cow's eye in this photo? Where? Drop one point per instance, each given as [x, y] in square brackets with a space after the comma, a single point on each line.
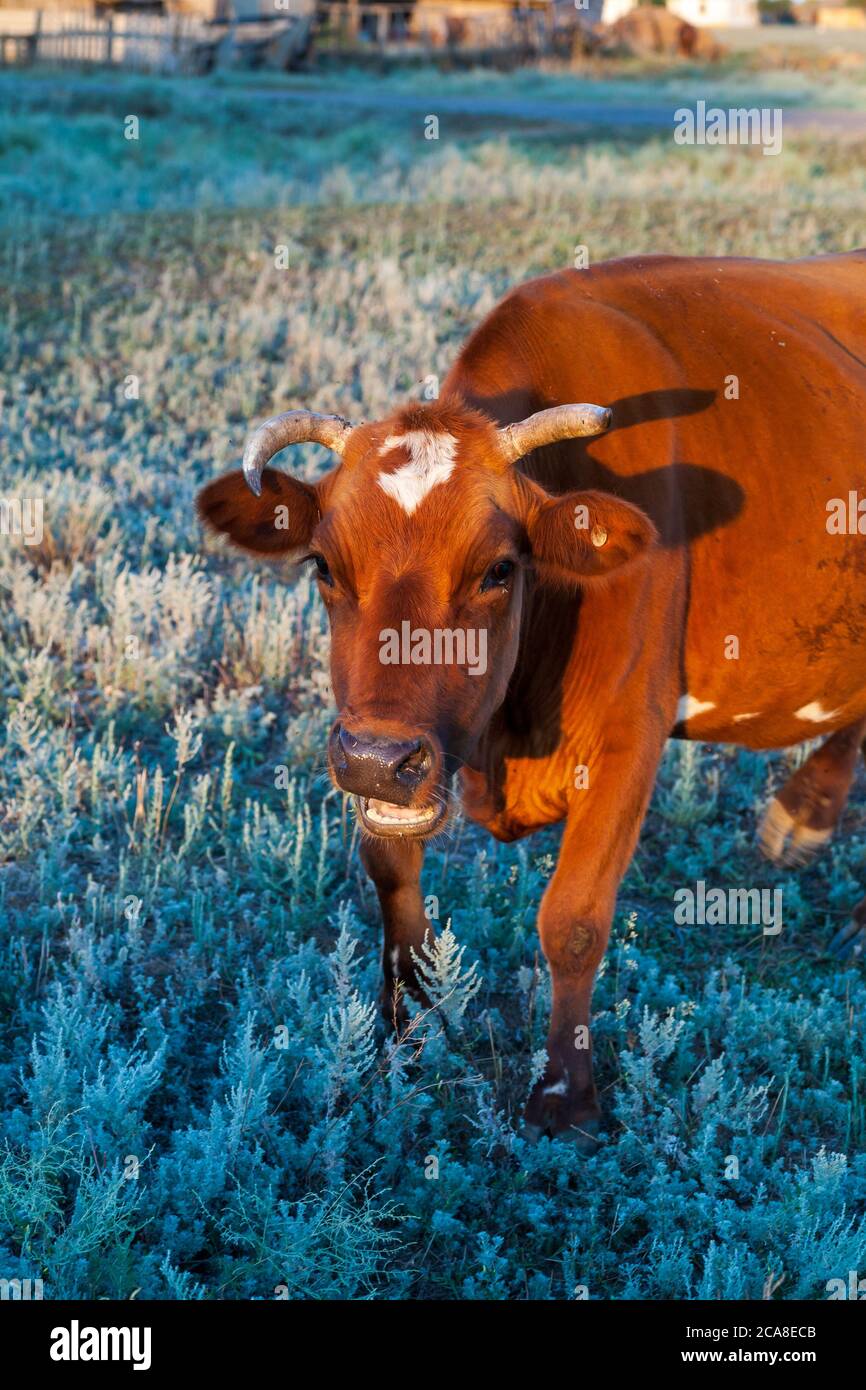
[498, 575]
[322, 569]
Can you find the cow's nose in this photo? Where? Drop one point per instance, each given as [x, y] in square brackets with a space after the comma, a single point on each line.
[390, 769]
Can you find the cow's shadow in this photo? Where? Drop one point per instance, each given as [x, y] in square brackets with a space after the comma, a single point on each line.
[684, 500]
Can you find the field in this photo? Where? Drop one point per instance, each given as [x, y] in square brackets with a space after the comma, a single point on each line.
[198, 1100]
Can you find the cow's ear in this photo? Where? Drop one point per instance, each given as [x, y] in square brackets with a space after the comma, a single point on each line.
[587, 535]
[278, 522]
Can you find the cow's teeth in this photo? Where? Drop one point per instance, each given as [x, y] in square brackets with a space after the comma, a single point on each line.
[387, 813]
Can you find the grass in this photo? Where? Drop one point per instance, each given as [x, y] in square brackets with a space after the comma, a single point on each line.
[198, 1101]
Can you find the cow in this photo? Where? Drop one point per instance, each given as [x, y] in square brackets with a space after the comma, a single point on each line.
[684, 559]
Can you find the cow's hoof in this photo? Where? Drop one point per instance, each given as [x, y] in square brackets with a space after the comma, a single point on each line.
[849, 943]
[787, 839]
[582, 1135]
[550, 1114]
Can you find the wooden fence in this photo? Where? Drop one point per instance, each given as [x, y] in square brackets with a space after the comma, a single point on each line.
[188, 43]
[155, 43]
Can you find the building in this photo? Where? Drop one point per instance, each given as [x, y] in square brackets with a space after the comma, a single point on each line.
[712, 14]
[833, 16]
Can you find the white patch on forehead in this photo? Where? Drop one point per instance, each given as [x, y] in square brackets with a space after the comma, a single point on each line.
[815, 713]
[689, 706]
[431, 461]
[738, 718]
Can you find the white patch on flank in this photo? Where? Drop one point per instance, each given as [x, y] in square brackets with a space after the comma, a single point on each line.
[431, 461]
[738, 718]
[559, 1088]
[688, 707]
[815, 713]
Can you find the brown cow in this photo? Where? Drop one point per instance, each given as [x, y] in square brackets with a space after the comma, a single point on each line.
[541, 613]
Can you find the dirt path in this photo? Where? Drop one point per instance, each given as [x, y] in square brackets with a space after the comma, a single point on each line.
[503, 111]
[575, 114]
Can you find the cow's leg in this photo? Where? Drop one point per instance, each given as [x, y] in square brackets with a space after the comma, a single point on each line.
[802, 817]
[574, 924]
[394, 865]
[849, 943]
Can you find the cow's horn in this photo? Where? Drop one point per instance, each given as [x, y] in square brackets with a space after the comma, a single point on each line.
[294, 427]
[547, 426]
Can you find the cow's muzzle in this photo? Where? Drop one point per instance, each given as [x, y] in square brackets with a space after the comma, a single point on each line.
[393, 780]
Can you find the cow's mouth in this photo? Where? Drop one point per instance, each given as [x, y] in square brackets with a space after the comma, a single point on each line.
[386, 818]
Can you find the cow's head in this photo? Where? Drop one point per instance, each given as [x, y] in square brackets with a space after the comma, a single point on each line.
[423, 537]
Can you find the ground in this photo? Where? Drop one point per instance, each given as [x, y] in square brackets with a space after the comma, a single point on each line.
[198, 1098]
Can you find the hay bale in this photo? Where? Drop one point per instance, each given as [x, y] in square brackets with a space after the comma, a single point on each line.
[651, 29]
